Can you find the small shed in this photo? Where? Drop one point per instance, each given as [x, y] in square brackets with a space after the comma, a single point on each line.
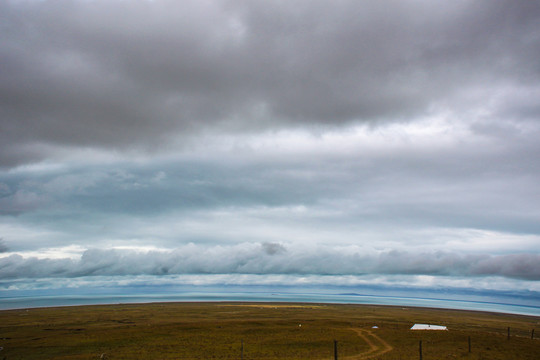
[428, 327]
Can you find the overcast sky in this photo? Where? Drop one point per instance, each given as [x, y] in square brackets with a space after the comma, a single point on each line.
[270, 137]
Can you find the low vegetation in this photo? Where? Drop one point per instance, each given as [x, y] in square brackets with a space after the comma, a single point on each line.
[261, 331]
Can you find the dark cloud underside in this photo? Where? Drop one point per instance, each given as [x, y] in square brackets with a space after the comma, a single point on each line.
[129, 74]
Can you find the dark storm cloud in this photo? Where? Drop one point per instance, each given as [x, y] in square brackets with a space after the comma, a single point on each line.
[255, 259]
[133, 74]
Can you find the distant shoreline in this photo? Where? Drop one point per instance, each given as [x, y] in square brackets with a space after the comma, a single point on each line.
[524, 303]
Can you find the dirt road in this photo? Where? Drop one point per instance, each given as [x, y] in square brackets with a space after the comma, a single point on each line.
[377, 346]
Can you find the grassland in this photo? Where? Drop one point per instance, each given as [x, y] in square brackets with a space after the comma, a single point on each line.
[261, 331]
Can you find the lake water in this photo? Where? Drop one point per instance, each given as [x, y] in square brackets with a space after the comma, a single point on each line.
[494, 302]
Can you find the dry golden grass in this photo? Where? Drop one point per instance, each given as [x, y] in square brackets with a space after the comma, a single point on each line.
[268, 331]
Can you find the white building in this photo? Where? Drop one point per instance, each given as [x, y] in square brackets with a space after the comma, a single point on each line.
[428, 327]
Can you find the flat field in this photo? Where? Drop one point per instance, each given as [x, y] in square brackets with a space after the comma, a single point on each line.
[268, 331]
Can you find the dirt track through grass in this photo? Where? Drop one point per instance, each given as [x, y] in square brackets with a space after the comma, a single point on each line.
[377, 346]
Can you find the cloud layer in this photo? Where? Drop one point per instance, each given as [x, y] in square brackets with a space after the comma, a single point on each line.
[270, 258]
[346, 137]
[141, 74]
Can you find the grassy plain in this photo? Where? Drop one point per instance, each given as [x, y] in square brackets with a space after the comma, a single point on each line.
[261, 331]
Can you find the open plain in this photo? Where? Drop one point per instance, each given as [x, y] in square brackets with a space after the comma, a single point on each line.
[262, 331]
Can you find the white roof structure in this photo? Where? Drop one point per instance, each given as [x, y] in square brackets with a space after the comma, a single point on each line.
[428, 327]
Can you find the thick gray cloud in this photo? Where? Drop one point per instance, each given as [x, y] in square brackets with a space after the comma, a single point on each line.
[270, 259]
[133, 74]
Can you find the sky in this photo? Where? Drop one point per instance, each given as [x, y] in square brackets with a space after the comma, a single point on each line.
[379, 141]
